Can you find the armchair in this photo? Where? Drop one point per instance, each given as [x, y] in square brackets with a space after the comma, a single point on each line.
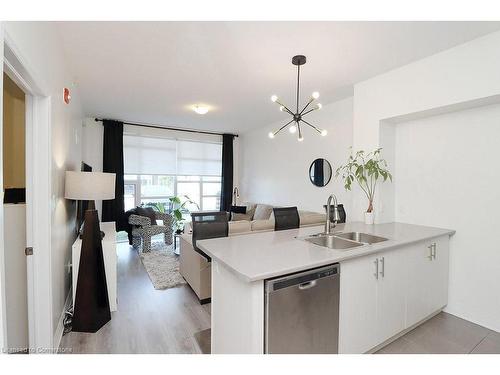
[143, 230]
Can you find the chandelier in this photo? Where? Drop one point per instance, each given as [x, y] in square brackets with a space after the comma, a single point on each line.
[298, 116]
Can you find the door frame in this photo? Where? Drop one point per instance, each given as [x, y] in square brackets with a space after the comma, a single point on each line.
[38, 201]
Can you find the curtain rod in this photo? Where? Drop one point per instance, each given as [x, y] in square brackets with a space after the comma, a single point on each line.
[169, 128]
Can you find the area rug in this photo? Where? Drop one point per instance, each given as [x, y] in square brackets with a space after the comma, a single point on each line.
[162, 266]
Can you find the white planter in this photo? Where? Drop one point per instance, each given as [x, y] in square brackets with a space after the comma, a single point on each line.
[369, 218]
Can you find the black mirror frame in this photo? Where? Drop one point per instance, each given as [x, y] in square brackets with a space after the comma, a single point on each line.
[331, 172]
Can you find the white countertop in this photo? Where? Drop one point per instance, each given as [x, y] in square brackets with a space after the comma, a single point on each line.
[258, 256]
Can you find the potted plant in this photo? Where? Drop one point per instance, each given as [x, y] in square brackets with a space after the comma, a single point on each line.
[366, 170]
[178, 210]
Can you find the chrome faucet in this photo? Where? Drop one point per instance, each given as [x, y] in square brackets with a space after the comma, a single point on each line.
[336, 215]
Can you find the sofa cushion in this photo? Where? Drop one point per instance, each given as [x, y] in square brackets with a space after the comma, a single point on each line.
[262, 225]
[240, 217]
[262, 212]
[241, 226]
[310, 218]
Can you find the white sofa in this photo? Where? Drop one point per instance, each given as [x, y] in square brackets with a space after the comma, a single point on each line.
[197, 271]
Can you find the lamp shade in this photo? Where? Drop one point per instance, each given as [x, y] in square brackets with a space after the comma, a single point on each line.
[88, 186]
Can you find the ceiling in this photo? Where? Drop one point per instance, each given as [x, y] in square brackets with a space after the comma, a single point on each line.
[153, 72]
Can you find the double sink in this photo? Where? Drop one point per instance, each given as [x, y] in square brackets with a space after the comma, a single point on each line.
[344, 241]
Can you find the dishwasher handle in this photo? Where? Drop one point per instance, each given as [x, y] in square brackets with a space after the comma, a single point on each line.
[308, 285]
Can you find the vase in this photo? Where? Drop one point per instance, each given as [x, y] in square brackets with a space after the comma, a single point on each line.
[369, 218]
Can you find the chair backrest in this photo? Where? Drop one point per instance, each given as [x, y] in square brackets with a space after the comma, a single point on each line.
[286, 218]
[208, 225]
[342, 213]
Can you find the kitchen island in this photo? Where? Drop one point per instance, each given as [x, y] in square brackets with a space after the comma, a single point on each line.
[386, 288]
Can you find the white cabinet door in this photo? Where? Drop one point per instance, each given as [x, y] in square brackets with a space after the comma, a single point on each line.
[391, 293]
[427, 279]
[419, 283]
[439, 274]
[358, 305]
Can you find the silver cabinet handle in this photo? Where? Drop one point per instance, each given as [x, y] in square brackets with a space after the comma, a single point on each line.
[376, 268]
[382, 273]
[434, 250]
[430, 252]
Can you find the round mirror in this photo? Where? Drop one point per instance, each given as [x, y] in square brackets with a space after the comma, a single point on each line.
[320, 172]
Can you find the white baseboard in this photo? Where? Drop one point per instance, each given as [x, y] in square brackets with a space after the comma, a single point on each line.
[60, 324]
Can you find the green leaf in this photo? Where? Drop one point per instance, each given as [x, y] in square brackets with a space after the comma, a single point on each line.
[178, 214]
[175, 200]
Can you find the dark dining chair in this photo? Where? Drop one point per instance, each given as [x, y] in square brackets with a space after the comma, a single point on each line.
[208, 225]
[286, 218]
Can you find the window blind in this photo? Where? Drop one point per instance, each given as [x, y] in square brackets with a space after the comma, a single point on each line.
[166, 156]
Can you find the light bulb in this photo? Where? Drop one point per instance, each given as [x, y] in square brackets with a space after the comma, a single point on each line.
[282, 108]
[200, 109]
[271, 135]
[301, 138]
[319, 106]
[315, 95]
[292, 129]
[274, 98]
[324, 132]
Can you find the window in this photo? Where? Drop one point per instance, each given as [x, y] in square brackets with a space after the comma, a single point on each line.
[158, 166]
[144, 189]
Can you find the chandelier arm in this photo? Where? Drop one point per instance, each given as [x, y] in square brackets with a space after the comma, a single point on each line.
[312, 126]
[307, 105]
[285, 107]
[312, 109]
[300, 131]
[284, 126]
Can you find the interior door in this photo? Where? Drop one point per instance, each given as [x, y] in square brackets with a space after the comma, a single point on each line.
[358, 305]
[13, 152]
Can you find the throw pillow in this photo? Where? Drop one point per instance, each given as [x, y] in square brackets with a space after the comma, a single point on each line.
[147, 212]
[262, 212]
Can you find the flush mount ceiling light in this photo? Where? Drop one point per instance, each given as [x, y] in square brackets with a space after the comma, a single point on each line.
[298, 116]
[200, 109]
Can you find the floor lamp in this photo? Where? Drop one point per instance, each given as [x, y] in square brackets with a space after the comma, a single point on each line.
[91, 305]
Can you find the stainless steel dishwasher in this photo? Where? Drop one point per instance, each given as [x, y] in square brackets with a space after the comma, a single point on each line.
[302, 312]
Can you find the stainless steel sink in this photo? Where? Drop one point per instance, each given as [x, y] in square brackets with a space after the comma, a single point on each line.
[361, 237]
[332, 242]
[343, 241]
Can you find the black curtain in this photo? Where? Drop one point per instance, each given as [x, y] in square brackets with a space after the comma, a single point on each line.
[226, 197]
[113, 210]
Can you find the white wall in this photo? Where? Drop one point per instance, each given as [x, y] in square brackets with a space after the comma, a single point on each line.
[462, 74]
[460, 78]
[276, 171]
[39, 45]
[447, 177]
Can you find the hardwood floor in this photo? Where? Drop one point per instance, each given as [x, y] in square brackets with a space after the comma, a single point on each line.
[167, 321]
[147, 320]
